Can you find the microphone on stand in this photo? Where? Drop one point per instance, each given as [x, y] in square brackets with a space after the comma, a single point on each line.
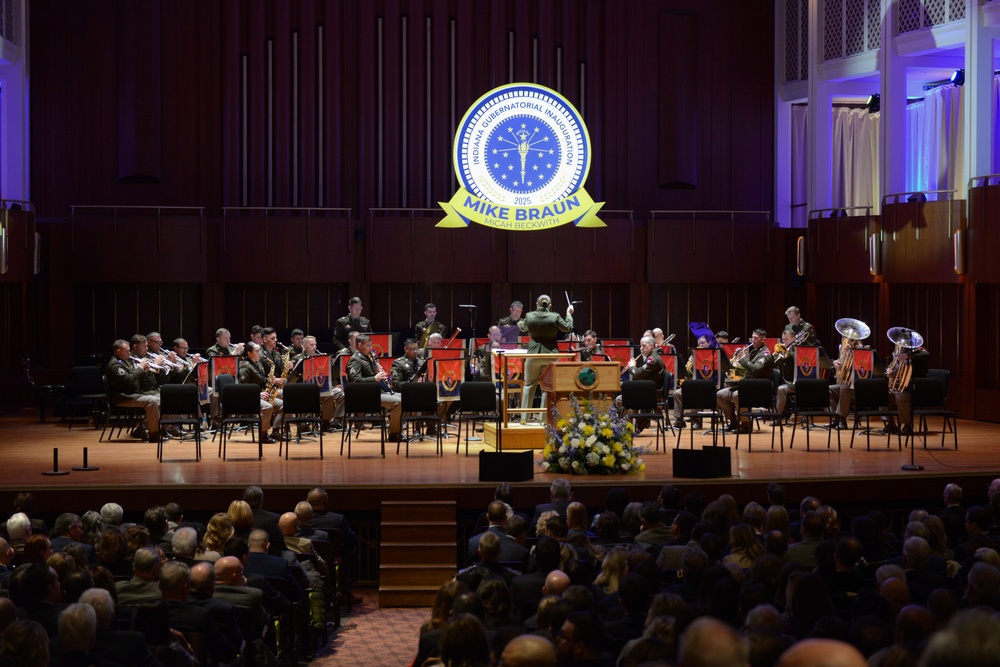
[467, 305]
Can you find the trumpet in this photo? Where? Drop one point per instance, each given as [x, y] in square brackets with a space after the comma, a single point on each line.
[153, 368]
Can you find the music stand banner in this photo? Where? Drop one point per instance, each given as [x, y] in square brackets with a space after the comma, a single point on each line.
[203, 391]
[670, 364]
[806, 362]
[344, 360]
[515, 369]
[386, 364]
[706, 365]
[620, 353]
[864, 365]
[564, 345]
[731, 348]
[439, 353]
[381, 344]
[769, 343]
[449, 374]
[223, 364]
[317, 370]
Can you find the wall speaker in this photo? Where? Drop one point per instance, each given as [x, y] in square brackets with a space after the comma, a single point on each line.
[703, 463]
[506, 466]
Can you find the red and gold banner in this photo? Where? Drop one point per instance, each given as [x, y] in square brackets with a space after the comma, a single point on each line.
[806, 362]
[222, 365]
[317, 370]
[729, 349]
[706, 365]
[864, 364]
[203, 392]
[515, 369]
[439, 353]
[449, 374]
[670, 364]
[344, 360]
[620, 353]
[381, 344]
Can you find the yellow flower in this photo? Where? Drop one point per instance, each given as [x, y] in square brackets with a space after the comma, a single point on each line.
[617, 447]
[607, 433]
[629, 427]
[562, 424]
[609, 461]
[588, 430]
[547, 451]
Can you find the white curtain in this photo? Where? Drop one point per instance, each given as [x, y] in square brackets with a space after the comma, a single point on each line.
[996, 125]
[855, 158]
[800, 160]
[935, 154]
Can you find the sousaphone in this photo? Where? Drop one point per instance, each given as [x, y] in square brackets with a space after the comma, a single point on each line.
[848, 327]
[903, 337]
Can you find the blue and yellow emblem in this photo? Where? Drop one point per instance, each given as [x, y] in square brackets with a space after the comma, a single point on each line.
[522, 155]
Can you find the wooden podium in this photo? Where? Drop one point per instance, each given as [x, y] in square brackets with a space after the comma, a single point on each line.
[563, 379]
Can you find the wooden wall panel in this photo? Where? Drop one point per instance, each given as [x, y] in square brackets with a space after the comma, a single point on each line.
[837, 249]
[680, 247]
[917, 240]
[984, 234]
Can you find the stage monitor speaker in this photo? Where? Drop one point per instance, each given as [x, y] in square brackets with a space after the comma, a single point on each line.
[703, 463]
[506, 466]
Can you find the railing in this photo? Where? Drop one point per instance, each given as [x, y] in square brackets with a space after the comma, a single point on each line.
[115, 209]
[270, 210]
[919, 196]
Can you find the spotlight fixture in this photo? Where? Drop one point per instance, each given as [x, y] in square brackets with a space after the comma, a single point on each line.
[958, 77]
[874, 103]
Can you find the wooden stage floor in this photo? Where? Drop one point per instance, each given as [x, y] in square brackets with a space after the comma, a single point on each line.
[129, 469]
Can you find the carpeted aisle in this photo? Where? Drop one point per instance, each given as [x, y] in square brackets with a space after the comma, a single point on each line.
[373, 637]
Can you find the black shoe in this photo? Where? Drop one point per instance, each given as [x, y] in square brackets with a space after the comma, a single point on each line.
[696, 423]
[138, 432]
[395, 437]
[776, 422]
[906, 430]
[267, 439]
[889, 429]
[679, 423]
[745, 429]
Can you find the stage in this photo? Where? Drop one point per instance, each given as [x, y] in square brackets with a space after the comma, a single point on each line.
[131, 475]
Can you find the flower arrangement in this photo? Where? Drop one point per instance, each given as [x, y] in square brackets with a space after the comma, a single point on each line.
[591, 440]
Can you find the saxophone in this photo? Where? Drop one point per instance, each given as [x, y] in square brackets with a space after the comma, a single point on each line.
[270, 388]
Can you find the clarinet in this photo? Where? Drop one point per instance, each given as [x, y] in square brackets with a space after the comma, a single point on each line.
[384, 385]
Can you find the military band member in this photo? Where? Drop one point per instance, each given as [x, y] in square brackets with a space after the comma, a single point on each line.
[167, 361]
[544, 327]
[257, 334]
[296, 336]
[785, 366]
[590, 350]
[222, 345]
[351, 323]
[918, 359]
[252, 372]
[482, 358]
[132, 386]
[363, 368]
[429, 326]
[757, 363]
[333, 405]
[646, 366]
[187, 361]
[796, 325]
[516, 308]
[842, 395]
[660, 346]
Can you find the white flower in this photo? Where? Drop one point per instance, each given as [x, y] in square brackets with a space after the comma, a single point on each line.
[571, 420]
[591, 440]
[626, 466]
[576, 465]
[592, 459]
[575, 442]
[563, 462]
[605, 449]
[562, 449]
[545, 465]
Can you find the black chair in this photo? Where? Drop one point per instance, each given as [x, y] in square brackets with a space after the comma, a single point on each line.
[639, 402]
[118, 417]
[179, 406]
[222, 381]
[86, 390]
[756, 398]
[477, 404]
[701, 402]
[302, 406]
[871, 399]
[928, 400]
[943, 375]
[418, 405]
[362, 404]
[240, 406]
[812, 400]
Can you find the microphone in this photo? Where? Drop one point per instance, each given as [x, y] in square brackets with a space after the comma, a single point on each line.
[467, 305]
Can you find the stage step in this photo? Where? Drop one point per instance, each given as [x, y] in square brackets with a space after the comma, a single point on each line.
[417, 553]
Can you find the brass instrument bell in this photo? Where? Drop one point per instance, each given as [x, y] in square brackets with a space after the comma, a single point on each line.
[848, 327]
[903, 337]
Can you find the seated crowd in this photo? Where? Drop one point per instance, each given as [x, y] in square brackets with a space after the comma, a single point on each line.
[666, 582]
[83, 591]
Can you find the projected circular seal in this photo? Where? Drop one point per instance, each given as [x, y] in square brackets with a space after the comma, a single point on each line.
[522, 145]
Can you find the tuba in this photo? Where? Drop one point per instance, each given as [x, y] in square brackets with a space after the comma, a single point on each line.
[900, 370]
[850, 330]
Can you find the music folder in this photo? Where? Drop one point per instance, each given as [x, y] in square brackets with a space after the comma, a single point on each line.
[510, 334]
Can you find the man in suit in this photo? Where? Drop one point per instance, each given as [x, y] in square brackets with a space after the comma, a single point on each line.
[324, 519]
[544, 327]
[315, 567]
[510, 550]
[488, 566]
[275, 603]
[118, 646]
[175, 586]
[529, 587]
[143, 586]
[652, 529]
[259, 561]
[221, 612]
[803, 552]
[231, 585]
[6, 571]
[304, 527]
[66, 531]
[560, 496]
[264, 519]
[953, 516]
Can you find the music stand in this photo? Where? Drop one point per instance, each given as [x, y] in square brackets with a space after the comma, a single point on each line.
[510, 334]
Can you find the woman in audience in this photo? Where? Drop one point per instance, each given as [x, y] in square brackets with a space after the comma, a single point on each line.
[777, 519]
[937, 538]
[612, 569]
[112, 553]
[24, 644]
[242, 517]
[464, 643]
[37, 549]
[92, 527]
[219, 531]
[745, 546]
[498, 604]
[137, 537]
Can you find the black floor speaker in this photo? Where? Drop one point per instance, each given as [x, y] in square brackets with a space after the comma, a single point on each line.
[703, 463]
[506, 466]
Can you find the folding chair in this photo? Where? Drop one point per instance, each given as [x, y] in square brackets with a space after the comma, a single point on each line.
[87, 389]
[477, 404]
[117, 416]
[928, 400]
[639, 402]
[362, 404]
[302, 405]
[812, 400]
[179, 406]
[700, 402]
[240, 406]
[756, 398]
[871, 399]
[418, 405]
